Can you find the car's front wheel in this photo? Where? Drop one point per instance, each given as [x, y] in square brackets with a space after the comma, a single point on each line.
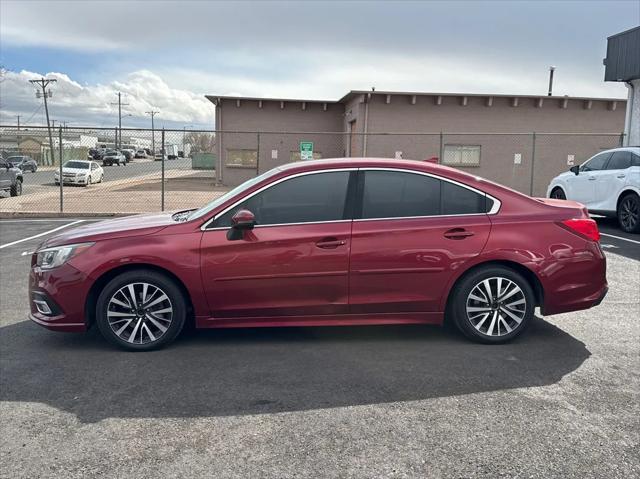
[16, 188]
[141, 310]
[558, 194]
[492, 304]
[629, 213]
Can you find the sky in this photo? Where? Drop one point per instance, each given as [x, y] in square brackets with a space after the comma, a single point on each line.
[167, 55]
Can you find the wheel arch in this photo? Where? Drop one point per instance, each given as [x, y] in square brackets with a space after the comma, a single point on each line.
[556, 187]
[528, 274]
[626, 191]
[100, 283]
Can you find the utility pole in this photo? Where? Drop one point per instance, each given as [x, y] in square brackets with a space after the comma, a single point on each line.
[18, 116]
[120, 104]
[551, 70]
[153, 134]
[43, 83]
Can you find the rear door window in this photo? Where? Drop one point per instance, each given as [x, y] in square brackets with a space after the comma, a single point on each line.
[620, 160]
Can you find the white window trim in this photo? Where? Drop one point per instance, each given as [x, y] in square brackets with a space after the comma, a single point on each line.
[494, 208]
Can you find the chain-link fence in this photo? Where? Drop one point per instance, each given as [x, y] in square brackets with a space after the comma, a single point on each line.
[111, 171]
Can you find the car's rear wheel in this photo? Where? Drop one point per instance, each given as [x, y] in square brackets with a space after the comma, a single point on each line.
[629, 213]
[141, 310]
[558, 194]
[492, 304]
[16, 188]
[88, 181]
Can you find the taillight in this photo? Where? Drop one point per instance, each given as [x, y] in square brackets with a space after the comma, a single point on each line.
[585, 226]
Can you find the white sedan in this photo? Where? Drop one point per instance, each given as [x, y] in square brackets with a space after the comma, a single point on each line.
[607, 184]
[79, 172]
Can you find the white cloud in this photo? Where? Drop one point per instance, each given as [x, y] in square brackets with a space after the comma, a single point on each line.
[93, 104]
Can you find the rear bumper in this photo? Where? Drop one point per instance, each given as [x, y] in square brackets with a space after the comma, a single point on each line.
[577, 284]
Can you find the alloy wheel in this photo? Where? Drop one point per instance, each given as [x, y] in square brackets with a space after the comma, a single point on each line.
[139, 313]
[629, 214]
[496, 306]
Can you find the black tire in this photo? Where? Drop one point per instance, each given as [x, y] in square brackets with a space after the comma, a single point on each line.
[157, 280]
[88, 181]
[558, 194]
[629, 213]
[460, 296]
[16, 188]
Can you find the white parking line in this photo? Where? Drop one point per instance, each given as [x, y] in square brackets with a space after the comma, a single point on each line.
[38, 220]
[41, 234]
[620, 238]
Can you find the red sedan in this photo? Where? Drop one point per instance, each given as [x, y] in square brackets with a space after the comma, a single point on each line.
[332, 242]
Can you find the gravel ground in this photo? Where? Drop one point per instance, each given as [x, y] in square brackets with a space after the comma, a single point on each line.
[411, 401]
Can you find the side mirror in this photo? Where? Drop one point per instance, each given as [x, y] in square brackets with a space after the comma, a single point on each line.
[243, 220]
[575, 169]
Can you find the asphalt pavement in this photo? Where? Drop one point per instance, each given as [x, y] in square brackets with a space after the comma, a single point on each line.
[386, 401]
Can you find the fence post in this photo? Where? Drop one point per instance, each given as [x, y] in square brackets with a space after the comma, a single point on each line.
[533, 164]
[440, 159]
[59, 166]
[162, 182]
[258, 157]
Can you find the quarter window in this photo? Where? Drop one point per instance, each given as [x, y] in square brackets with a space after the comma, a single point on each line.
[457, 200]
[461, 155]
[304, 199]
[620, 160]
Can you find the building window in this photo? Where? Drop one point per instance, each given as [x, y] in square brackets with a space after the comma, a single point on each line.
[461, 155]
[242, 158]
[295, 155]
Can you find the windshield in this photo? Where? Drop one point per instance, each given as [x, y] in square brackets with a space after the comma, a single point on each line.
[199, 213]
[15, 159]
[112, 152]
[76, 164]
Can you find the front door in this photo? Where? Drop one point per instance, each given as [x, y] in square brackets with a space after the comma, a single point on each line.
[295, 262]
[5, 175]
[583, 185]
[414, 231]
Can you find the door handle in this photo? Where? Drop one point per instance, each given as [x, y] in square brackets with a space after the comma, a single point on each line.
[458, 233]
[592, 178]
[330, 243]
[621, 176]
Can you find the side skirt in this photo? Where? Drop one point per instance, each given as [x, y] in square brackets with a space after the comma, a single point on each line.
[322, 320]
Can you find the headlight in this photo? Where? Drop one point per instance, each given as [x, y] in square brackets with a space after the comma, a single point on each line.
[50, 258]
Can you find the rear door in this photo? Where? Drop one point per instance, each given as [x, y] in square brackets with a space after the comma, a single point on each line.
[611, 180]
[411, 233]
[295, 262]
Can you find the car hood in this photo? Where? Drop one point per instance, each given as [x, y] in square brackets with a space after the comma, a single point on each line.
[137, 225]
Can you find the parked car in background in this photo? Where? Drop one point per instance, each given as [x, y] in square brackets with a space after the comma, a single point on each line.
[171, 151]
[112, 157]
[96, 154]
[128, 155]
[10, 178]
[25, 163]
[141, 154]
[329, 242]
[607, 184]
[79, 172]
[159, 156]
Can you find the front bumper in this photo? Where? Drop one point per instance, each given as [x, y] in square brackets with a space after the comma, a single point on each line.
[72, 181]
[64, 291]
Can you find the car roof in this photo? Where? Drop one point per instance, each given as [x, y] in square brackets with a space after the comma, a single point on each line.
[635, 149]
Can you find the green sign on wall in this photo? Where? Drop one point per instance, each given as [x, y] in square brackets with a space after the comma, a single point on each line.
[306, 150]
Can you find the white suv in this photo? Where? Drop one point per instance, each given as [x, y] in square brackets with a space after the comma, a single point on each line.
[607, 184]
